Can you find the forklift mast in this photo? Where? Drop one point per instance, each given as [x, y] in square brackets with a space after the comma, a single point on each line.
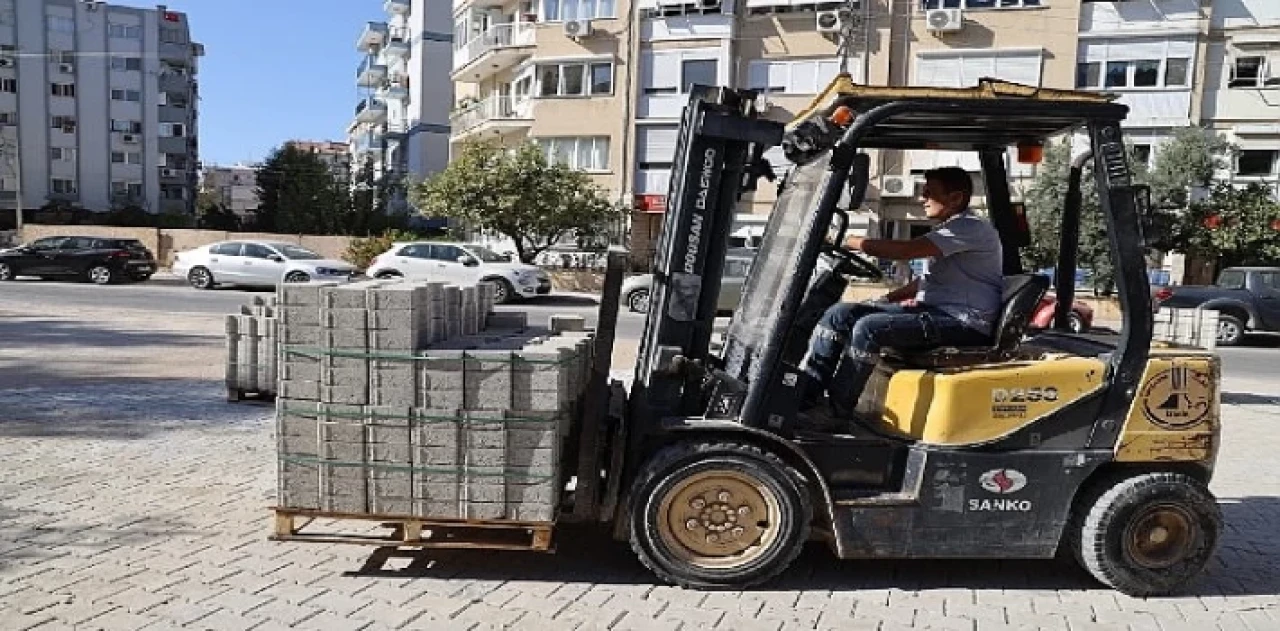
[719, 155]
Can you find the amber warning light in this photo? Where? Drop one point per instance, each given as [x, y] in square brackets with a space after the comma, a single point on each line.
[1030, 153]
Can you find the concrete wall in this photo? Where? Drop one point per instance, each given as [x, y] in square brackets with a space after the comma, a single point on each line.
[165, 243]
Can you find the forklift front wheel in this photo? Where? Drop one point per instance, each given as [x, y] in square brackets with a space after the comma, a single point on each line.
[718, 515]
[1151, 534]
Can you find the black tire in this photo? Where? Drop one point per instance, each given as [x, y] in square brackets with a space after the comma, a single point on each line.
[388, 275]
[100, 274]
[297, 277]
[676, 486]
[1230, 330]
[1150, 534]
[1076, 323]
[638, 301]
[200, 278]
[503, 291]
[6, 272]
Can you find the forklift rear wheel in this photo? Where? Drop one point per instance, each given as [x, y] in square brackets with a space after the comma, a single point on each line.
[718, 515]
[1151, 534]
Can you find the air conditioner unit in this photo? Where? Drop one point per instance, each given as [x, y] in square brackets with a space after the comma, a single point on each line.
[67, 68]
[830, 21]
[944, 19]
[168, 173]
[897, 186]
[577, 28]
[131, 139]
[6, 62]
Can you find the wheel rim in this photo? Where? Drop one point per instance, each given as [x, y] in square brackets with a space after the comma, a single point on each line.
[1227, 331]
[640, 301]
[296, 277]
[500, 292]
[100, 275]
[1077, 326]
[1161, 537]
[5, 272]
[719, 519]
[199, 278]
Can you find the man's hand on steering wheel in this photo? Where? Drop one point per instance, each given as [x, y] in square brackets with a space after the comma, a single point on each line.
[852, 262]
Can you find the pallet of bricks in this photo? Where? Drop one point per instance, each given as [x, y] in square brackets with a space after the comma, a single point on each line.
[252, 353]
[413, 405]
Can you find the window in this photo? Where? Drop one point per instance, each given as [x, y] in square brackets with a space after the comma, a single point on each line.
[979, 4]
[1117, 74]
[63, 89]
[1088, 74]
[120, 94]
[575, 79]
[558, 10]
[1146, 73]
[446, 252]
[132, 190]
[126, 157]
[790, 77]
[9, 85]
[61, 24]
[8, 118]
[1253, 71]
[124, 31]
[226, 249]
[122, 63]
[584, 154]
[1175, 71]
[172, 130]
[63, 122]
[62, 154]
[415, 251]
[257, 251]
[63, 186]
[697, 72]
[1256, 163]
[963, 68]
[57, 56]
[126, 127]
[171, 36]
[1231, 279]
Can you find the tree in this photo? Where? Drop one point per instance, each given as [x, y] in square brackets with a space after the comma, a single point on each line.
[1188, 160]
[517, 193]
[1233, 226]
[298, 194]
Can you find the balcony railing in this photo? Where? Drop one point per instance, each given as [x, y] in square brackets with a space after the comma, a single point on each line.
[370, 72]
[495, 37]
[371, 110]
[373, 34]
[490, 109]
[396, 7]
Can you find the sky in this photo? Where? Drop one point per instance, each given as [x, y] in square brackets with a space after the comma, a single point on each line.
[273, 70]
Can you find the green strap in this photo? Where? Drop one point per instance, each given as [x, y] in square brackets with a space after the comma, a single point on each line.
[493, 472]
[311, 351]
[426, 419]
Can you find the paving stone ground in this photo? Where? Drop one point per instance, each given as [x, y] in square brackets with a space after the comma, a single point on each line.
[142, 503]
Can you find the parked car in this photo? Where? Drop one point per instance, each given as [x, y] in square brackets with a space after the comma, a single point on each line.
[257, 263]
[462, 263]
[1080, 318]
[636, 289]
[1247, 299]
[98, 260]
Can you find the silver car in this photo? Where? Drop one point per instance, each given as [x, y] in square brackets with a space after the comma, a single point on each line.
[635, 290]
[257, 263]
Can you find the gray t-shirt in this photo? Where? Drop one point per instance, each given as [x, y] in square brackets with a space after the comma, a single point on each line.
[967, 281]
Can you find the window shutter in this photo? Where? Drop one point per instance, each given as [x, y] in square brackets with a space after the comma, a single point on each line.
[804, 77]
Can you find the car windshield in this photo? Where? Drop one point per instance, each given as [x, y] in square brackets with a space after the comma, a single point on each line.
[295, 252]
[1231, 279]
[485, 254]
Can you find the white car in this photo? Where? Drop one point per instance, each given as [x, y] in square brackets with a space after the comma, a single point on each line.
[636, 289]
[257, 263]
[466, 263]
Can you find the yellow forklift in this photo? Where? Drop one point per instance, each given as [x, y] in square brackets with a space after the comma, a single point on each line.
[1041, 445]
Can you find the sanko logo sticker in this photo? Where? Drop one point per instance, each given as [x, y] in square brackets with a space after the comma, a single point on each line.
[1178, 398]
[1003, 481]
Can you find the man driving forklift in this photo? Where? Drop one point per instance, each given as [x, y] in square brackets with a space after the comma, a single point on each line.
[956, 302]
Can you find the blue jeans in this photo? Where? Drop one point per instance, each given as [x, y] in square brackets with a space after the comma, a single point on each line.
[846, 343]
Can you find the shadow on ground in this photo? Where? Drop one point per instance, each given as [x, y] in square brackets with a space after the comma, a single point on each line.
[1246, 564]
[1248, 398]
[78, 334]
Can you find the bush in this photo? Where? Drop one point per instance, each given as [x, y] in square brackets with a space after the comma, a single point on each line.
[361, 252]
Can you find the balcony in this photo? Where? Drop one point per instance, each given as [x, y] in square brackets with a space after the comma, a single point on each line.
[500, 115]
[371, 110]
[374, 34]
[393, 92]
[370, 73]
[498, 48]
[396, 7]
[369, 142]
[397, 46]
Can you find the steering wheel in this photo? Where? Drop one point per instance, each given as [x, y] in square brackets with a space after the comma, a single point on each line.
[852, 263]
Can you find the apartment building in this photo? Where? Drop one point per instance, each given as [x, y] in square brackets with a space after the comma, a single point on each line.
[400, 126]
[234, 187]
[1242, 87]
[98, 106]
[333, 153]
[555, 72]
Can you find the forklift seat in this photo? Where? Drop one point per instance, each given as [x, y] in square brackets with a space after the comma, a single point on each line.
[1021, 297]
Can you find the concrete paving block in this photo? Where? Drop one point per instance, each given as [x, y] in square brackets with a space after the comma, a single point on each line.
[532, 461]
[292, 497]
[348, 452]
[405, 340]
[306, 390]
[391, 506]
[349, 296]
[435, 491]
[537, 401]
[544, 493]
[437, 456]
[345, 503]
[308, 316]
[344, 339]
[403, 296]
[308, 295]
[491, 459]
[484, 492]
[437, 510]
[345, 319]
[487, 380]
[562, 323]
[437, 434]
[485, 511]
[534, 513]
[391, 416]
[528, 437]
[389, 483]
[341, 431]
[299, 476]
[300, 368]
[301, 336]
[432, 380]
[345, 394]
[300, 444]
[440, 399]
[517, 320]
[388, 320]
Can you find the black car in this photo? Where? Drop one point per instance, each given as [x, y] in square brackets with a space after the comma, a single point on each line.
[98, 260]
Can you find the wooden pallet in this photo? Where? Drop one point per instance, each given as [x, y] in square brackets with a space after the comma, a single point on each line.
[416, 531]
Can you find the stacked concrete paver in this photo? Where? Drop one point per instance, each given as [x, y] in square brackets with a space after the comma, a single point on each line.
[252, 351]
[414, 399]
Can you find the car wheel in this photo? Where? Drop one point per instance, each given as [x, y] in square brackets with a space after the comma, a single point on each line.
[1151, 534]
[200, 278]
[1076, 323]
[388, 275]
[638, 301]
[142, 278]
[6, 272]
[1230, 330]
[503, 291]
[297, 277]
[716, 515]
[100, 275]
